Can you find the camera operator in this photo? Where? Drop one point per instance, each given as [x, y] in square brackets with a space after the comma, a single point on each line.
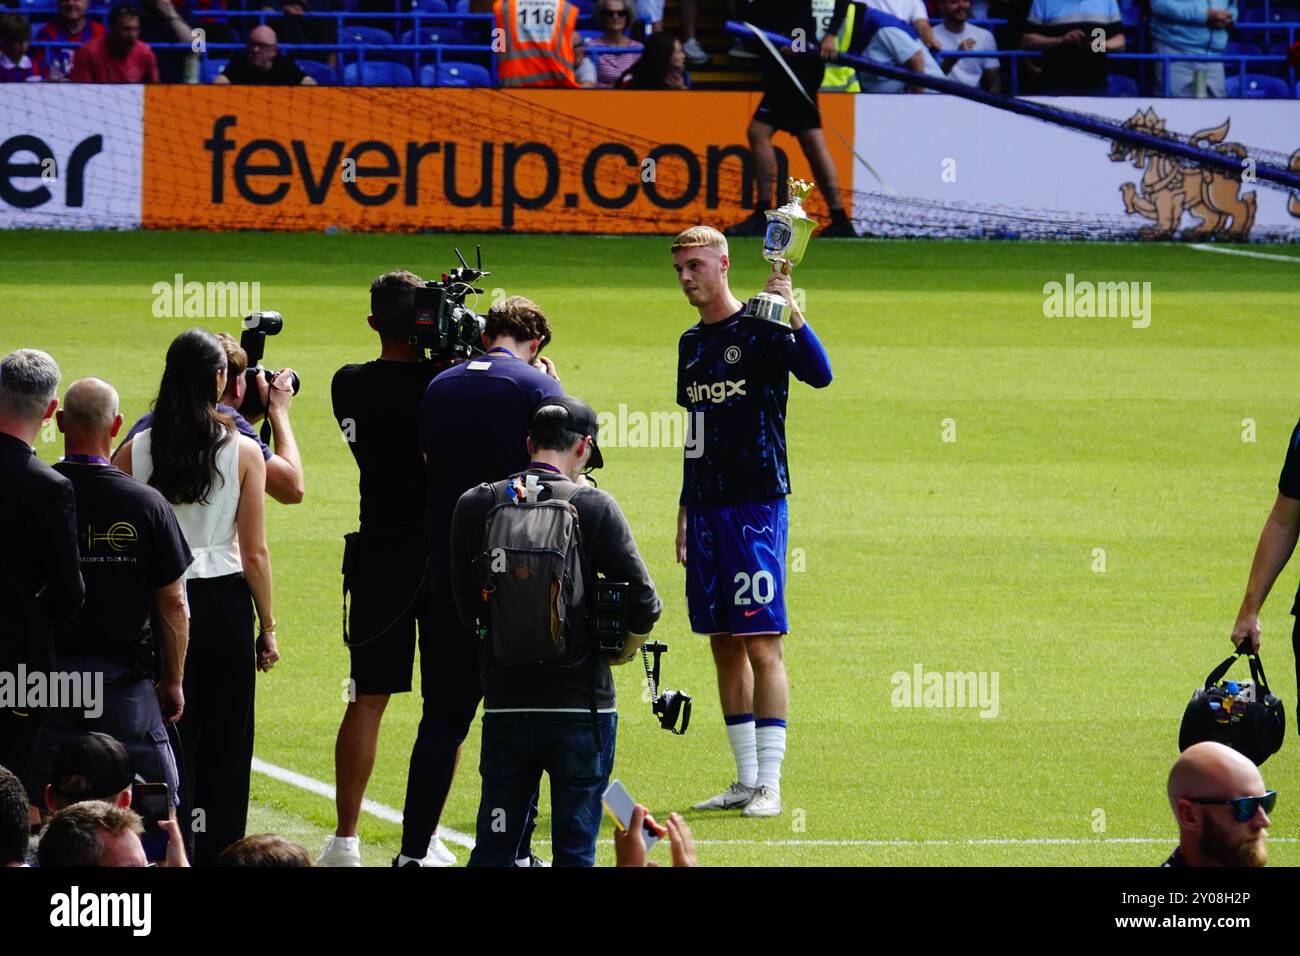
[284, 475]
[557, 717]
[473, 428]
[377, 406]
[215, 480]
[40, 579]
[132, 555]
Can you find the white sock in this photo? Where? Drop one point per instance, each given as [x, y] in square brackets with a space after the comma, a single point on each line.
[769, 734]
[740, 733]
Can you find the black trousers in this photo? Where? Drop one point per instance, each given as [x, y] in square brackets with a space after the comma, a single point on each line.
[450, 686]
[216, 729]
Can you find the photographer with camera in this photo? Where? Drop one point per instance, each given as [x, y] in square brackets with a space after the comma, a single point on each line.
[284, 476]
[528, 555]
[473, 428]
[385, 562]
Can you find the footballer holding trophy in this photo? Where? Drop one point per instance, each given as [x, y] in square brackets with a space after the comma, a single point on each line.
[733, 377]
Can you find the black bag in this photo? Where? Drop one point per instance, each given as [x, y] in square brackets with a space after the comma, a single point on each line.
[1243, 715]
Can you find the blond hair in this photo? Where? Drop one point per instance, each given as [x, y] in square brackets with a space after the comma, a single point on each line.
[701, 237]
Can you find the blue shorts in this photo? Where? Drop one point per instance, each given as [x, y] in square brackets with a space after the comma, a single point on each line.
[735, 567]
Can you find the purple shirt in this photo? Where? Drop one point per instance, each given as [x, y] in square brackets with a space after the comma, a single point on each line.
[241, 423]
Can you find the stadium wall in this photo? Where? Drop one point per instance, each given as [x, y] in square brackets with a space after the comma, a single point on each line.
[606, 162]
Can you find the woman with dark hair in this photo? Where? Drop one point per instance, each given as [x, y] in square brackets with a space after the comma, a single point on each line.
[214, 479]
[662, 66]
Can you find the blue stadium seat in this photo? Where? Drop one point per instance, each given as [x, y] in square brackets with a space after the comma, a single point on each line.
[1241, 48]
[376, 74]
[29, 7]
[1297, 89]
[369, 36]
[1276, 14]
[431, 6]
[455, 74]
[434, 35]
[1258, 87]
[322, 73]
[460, 6]
[1121, 86]
[586, 8]
[211, 68]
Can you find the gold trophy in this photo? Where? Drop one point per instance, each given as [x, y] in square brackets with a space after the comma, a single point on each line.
[784, 243]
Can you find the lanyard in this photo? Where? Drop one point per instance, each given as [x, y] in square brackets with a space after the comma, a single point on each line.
[543, 465]
[87, 460]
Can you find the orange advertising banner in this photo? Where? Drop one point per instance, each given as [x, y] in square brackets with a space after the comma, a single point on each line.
[401, 159]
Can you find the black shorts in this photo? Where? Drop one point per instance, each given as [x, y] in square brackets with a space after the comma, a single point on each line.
[783, 106]
[386, 582]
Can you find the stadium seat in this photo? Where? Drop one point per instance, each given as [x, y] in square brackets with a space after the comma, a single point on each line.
[211, 68]
[376, 74]
[29, 7]
[1241, 48]
[459, 6]
[369, 36]
[1275, 14]
[1121, 86]
[435, 35]
[430, 6]
[322, 73]
[586, 8]
[455, 74]
[1258, 87]
[1297, 89]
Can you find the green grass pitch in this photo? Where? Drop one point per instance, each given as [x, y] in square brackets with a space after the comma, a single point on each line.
[978, 554]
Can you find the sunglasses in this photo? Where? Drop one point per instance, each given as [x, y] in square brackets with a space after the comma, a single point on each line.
[1243, 808]
[611, 14]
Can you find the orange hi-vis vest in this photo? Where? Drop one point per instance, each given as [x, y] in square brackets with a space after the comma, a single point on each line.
[538, 42]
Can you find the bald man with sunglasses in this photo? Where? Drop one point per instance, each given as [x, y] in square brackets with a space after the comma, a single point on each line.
[1221, 806]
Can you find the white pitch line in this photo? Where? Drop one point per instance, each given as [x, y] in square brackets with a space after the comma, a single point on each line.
[391, 815]
[372, 807]
[1271, 256]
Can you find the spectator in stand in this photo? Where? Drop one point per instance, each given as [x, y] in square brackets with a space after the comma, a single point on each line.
[15, 37]
[264, 850]
[119, 56]
[1191, 26]
[93, 766]
[72, 27]
[15, 826]
[261, 64]
[96, 834]
[913, 12]
[662, 66]
[161, 22]
[887, 39]
[956, 34]
[1074, 37]
[615, 17]
[307, 21]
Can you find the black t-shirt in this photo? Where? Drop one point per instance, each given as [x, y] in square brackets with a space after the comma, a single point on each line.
[283, 72]
[377, 406]
[130, 545]
[1288, 483]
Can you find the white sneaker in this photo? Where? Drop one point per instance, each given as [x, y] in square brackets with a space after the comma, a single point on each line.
[766, 803]
[341, 851]
[736, 795]
[438, 854]
[531, 860]
[695, 54]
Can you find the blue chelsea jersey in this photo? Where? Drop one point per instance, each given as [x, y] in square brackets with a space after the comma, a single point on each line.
[733, 378]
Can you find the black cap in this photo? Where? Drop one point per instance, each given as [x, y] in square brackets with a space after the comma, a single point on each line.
[579, 418]
[91, 767]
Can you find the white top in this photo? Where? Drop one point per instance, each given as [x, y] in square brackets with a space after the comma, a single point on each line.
[909, 10]
[968, 69]
[209, 529]
[894, 46]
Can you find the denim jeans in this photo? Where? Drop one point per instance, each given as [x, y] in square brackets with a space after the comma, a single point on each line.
[517, 749]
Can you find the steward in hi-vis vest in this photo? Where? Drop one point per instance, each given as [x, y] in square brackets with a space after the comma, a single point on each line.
[837, 79]
[538, 37]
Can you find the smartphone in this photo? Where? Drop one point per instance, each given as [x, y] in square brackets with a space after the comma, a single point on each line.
[619, 805]
[153, 801]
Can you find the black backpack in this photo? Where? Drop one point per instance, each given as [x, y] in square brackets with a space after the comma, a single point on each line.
[531, 570]
[1243, 715]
